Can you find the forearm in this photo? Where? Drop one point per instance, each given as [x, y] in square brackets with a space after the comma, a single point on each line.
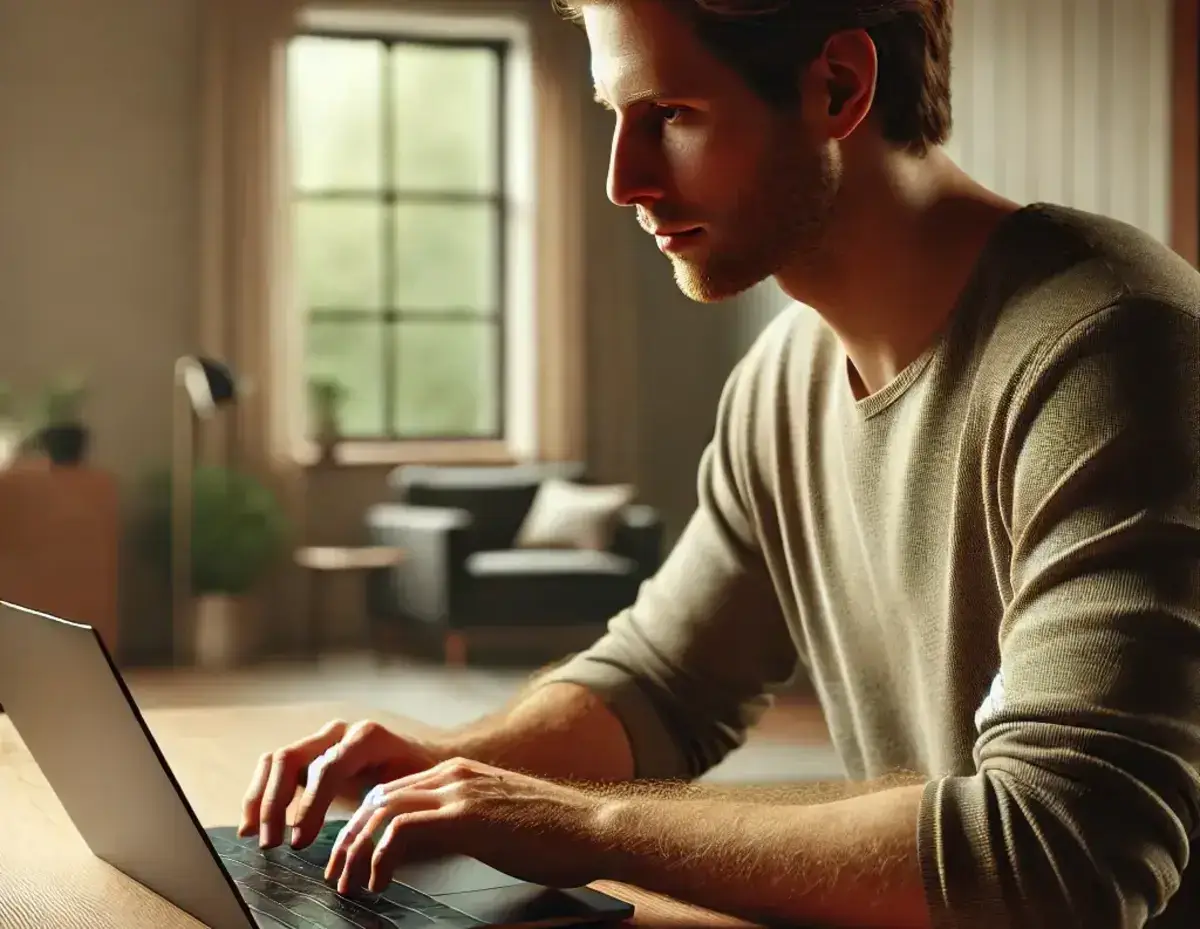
[557, 731]
[850, 862]
[806, 793]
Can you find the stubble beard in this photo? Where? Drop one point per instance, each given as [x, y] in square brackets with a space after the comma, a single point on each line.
[779, 224]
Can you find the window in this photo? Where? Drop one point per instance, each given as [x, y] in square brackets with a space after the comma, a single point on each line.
[401, 234]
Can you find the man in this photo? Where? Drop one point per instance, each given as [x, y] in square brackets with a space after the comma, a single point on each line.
[955, 484]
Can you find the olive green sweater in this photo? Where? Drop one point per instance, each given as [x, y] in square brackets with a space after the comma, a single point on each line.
[989, 570]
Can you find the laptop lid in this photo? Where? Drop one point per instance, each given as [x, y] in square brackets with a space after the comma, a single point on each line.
[65, 697]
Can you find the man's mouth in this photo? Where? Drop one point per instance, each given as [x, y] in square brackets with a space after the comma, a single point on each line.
[670, 240]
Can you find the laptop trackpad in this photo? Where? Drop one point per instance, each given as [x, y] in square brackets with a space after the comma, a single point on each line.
[452, 875]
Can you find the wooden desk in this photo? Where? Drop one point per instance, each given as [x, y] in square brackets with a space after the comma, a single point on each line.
[49, 879]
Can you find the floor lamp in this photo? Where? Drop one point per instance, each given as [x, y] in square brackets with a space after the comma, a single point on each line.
[202, 387]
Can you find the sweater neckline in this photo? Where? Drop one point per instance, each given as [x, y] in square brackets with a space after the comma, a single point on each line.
[875, 403]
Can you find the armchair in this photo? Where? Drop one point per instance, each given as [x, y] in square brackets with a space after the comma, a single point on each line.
[465, 574]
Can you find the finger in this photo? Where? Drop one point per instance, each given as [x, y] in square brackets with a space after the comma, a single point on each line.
[287, 765]
[407, 834]
[327, 774]
[253, 797]
[357, 870]
[357, 865]
[379, 797]
[358, 844]
[352, 829]
[353, 841]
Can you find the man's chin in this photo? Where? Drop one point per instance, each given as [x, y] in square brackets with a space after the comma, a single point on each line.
[703, 285]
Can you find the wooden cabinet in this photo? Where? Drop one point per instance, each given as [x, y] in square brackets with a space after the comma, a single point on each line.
[60, 543]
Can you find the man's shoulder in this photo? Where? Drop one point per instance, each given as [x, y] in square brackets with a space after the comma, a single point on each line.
[1061, 269]
[796, 336]
[774, 378]
[1077, 263]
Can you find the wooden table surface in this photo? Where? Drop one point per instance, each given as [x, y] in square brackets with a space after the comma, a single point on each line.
[50, 879]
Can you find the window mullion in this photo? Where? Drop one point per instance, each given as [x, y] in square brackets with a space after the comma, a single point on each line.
[388, 426]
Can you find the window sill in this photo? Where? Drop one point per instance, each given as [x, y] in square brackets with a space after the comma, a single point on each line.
[385, 454]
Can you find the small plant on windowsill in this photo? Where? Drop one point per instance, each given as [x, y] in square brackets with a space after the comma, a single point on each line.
[326, 398]
[62, 433]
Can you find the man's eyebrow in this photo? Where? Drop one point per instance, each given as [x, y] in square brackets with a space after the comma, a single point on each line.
[639, 97]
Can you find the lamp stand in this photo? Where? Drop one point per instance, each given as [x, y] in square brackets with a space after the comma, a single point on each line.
[182, 464]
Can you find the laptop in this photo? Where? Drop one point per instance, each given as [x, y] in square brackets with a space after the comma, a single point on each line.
[68, 702]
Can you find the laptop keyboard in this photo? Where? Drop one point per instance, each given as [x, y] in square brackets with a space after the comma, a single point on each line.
[287, 887]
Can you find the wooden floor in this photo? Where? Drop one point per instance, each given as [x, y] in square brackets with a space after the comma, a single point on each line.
[790, 742]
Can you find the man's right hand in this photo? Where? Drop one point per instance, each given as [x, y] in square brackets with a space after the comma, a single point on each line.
[337, 760]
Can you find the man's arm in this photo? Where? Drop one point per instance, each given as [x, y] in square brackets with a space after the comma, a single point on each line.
[564, 732]
[1086, 792]
[558, 731]
[689, 667]
[850, 862]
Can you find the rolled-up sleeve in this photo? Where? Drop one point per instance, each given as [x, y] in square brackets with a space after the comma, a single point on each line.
[1086, 792]
[689, 667]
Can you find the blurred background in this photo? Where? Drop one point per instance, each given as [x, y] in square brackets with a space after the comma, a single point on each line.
[386, 224]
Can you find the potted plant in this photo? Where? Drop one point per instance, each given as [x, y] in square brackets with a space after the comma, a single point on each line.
[238, 533]
[63, 436]
[327, 395]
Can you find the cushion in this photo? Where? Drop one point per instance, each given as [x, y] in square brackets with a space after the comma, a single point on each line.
[569, 515]
[546, 587]
[547, 561]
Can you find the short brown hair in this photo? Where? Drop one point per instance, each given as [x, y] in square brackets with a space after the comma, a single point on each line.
[767, 41]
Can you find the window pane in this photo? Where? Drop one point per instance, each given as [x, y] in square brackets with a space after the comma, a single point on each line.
[336, 99]
[446, 256]
[352, 352]
[447, 378]
[447, 122]
[339, 249]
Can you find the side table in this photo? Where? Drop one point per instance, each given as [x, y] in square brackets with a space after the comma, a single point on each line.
[323, 560]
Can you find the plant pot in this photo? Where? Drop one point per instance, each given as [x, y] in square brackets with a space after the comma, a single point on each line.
[218, 639]
[328, 437]
[10, 442]
[66, 444]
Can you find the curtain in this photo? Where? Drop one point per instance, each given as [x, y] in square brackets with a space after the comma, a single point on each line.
[245, 287]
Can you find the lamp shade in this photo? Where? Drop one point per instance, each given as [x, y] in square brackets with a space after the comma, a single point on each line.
[209, 383]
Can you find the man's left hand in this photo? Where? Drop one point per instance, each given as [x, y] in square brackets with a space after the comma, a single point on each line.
[531, 829]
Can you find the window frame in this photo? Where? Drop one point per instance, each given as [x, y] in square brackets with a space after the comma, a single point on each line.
[389, 315]
[549, 287]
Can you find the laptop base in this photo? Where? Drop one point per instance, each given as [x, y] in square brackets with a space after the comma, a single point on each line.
[286, 887]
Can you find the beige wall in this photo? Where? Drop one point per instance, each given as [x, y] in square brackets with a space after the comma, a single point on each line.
[98, 215]
[100, 108]
[1068, 101]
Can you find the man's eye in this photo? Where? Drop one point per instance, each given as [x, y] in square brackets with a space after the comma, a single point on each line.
[669, 114]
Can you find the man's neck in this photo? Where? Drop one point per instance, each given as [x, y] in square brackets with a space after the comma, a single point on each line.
[901, 246]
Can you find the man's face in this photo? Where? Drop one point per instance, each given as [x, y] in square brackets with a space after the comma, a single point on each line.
[735, 189]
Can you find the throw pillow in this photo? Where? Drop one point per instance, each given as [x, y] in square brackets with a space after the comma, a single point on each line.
[567, 515]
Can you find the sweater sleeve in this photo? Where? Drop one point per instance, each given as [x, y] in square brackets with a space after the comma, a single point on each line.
[689, 666]
[1086, 791]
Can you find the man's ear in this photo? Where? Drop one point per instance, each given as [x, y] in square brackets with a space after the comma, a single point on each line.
[841, 83]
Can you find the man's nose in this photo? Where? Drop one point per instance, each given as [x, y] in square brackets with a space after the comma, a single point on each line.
[635, 172]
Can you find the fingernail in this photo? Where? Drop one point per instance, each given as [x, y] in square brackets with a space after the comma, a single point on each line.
[295, 836]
